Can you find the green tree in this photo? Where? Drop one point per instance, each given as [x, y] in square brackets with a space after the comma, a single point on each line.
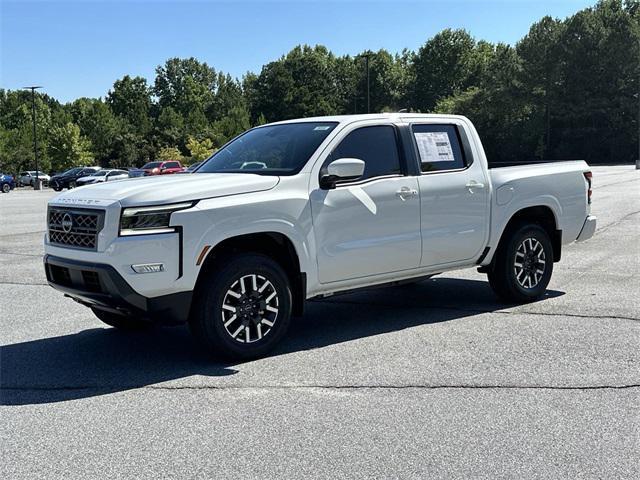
[388, 82]
[169, 153]
[186, 85]
[130, 99]
[169, 127]
[98, 123]
[540, 54]
[498, 109]
[300, 84]
[599, 72]
[200, 149]
[442, 67]
[228, 95]
[67, 148]
[16, 124]
[234, 123]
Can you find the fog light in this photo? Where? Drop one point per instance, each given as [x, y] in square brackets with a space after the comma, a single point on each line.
[148, 268]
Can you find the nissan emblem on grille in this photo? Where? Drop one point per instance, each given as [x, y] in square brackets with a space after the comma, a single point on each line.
[67, 222]
[76, 228]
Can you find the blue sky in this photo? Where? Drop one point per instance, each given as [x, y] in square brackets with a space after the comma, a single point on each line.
[80, 48]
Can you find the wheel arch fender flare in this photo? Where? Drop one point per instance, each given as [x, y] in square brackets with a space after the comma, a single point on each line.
[544, 210]
[278, 240]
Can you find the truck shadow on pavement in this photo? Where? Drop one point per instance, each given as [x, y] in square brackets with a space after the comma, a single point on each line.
[101, 361]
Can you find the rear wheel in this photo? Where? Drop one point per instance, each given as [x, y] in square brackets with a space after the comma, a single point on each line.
[121, 322]
[523, 264]
[243, 307]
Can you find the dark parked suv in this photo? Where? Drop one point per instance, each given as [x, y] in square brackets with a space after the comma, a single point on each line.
[68, 179]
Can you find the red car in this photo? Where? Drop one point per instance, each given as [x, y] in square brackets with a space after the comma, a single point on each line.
[158, 168]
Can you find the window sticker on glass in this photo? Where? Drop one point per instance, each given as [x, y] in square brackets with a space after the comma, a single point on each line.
[322, 127]
[434, 147]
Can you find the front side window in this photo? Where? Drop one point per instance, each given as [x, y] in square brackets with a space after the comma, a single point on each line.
[438, 147]
[171, 165]
[376, 146]
[270, 150]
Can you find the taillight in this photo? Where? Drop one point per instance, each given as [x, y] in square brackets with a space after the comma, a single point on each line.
[588, 176]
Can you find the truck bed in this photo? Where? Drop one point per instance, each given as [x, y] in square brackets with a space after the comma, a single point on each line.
[560, 186]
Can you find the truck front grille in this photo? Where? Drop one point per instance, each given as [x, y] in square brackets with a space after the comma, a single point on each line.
[76, 228]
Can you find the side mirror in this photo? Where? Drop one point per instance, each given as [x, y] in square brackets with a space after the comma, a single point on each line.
[341, 170]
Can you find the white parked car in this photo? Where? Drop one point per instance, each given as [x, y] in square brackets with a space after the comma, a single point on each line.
[105, 175]
[308, 208]
[28, 178]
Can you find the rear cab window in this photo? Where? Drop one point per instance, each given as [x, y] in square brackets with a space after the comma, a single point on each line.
[439, 147]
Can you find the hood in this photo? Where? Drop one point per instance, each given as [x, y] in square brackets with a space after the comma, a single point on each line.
[163, 189]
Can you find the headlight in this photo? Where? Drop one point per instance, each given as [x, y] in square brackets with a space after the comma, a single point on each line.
[149, 220]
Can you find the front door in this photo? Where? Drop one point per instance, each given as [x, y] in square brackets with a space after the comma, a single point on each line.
[369, 226]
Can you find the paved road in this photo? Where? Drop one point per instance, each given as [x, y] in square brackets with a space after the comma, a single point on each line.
[436, 379]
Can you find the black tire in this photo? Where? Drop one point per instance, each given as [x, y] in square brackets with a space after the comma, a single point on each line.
[250, 306]
[121, 322]
[515, 276]
[6, 188]
[57, 189]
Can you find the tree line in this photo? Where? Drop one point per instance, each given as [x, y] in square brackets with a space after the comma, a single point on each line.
[567, 90]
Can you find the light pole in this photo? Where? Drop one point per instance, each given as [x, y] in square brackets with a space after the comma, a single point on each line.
[35, 138]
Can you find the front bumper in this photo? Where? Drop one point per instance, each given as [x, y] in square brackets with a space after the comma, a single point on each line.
[100, 286]
[588, 229]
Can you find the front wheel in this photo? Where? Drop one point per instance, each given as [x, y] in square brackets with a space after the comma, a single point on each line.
[243, 307]
[57, 189]
[523, 265]
[6, 188]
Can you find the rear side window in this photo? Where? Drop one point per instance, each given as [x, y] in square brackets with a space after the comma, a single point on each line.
[171, 165]
[376, 146]
[438, 147]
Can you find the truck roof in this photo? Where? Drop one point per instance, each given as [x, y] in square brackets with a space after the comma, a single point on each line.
[370, 116]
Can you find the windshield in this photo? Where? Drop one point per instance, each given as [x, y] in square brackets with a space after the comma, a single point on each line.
[273, 150]
[151, 165]
[72, 171]
[100, 173]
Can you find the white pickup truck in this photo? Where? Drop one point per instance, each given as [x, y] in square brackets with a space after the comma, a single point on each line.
[308, 208]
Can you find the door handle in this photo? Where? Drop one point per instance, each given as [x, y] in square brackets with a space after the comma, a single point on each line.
[406, 192]
[473, 184]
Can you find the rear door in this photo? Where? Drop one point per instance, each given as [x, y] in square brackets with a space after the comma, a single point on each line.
[454, 194]
[370, 226]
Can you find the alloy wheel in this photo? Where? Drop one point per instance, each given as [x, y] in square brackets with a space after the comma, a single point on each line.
[530, 263]
[250, 308]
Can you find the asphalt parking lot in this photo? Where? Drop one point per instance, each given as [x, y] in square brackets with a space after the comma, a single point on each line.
[435, 379]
